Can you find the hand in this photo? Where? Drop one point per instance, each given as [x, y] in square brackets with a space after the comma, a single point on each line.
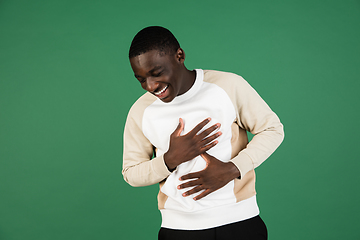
[186, 147]
[215, 175]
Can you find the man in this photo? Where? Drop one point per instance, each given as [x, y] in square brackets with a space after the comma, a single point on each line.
[195, 124]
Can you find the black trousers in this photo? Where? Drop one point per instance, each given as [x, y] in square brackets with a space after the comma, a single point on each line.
[250, 229]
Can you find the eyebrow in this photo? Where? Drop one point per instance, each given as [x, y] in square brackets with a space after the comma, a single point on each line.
[154, 69]
[151, 71]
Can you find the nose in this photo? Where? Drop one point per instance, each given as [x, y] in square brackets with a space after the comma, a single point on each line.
[151, 85]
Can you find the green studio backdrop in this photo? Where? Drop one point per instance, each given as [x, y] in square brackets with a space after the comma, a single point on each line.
[66, 87]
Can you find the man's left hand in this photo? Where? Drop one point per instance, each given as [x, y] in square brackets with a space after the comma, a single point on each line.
[215, 175]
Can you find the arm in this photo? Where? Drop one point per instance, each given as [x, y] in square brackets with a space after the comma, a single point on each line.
[254, 115]
[138, 167]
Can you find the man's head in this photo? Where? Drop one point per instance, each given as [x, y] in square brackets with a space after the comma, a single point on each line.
[158, 63]
[153, 38]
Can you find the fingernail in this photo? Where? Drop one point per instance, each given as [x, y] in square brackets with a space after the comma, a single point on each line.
[184, 194]
[178, 187]
[219, 133]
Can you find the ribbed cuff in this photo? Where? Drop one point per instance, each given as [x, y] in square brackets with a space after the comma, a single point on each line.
[243, 162]
[160, 167]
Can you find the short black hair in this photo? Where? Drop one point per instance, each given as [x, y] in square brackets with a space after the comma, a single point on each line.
[153, 38]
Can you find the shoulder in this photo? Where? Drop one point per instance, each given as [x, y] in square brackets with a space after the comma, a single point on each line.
[137, 109]
[230, 82]
[223, 78]
[214, 75]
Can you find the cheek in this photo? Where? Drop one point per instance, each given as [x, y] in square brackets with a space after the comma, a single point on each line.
[172, 83]
[165, 78]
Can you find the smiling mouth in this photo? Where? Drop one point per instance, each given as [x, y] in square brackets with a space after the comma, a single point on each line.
[159, 93]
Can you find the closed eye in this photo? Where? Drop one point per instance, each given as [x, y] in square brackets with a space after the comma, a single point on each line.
[158, 74]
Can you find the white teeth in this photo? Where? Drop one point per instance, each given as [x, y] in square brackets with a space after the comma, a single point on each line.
[161, 91]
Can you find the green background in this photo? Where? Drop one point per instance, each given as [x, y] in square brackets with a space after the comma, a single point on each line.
[66, 87]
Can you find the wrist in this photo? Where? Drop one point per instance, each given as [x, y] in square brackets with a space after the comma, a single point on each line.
[171, 167]
[233, 171]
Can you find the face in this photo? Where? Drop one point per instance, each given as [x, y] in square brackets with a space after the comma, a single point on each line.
[160, 73]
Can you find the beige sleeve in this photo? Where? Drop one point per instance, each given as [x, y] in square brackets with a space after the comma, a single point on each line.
[255, 116]
[138, 167]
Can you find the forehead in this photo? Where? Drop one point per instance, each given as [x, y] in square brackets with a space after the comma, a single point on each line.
[150, 60]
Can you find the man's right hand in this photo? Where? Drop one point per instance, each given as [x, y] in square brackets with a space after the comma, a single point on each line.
[186, 147]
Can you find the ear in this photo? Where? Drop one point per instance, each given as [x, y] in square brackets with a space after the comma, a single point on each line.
[180, 55]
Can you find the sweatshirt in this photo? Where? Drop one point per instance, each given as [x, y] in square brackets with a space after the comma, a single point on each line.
[229, 100]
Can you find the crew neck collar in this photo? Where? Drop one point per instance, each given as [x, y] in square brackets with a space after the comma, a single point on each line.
[192, 91]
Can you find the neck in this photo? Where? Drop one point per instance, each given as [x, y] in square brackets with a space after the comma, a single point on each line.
[188, 80]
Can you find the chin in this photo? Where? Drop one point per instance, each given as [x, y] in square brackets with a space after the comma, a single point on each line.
[167, 99]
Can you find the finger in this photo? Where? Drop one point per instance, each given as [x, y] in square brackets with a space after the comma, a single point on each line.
[192, 191]
[211, 138]
[209, 146]
[198, 127]
[190, 176]
[203, 194]
[206, 156]
[189, 184]
[179, 128]
[209, 130]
